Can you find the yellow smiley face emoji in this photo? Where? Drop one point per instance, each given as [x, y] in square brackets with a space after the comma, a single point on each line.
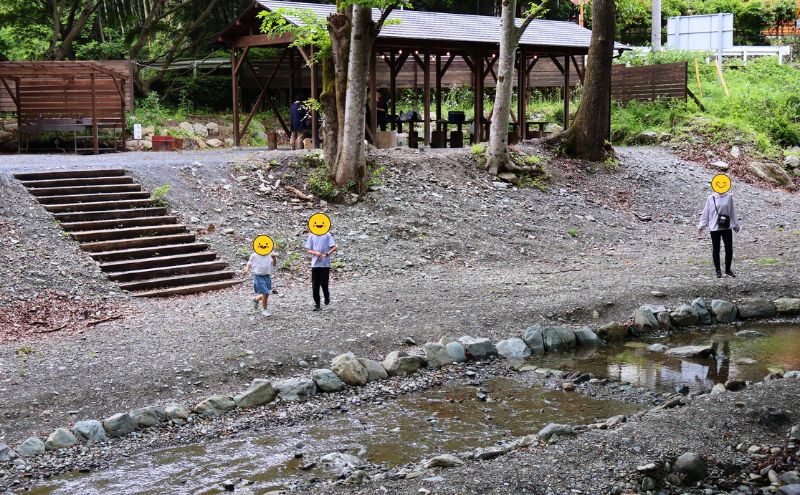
[263, 245]
[319, 224]
[721, 183]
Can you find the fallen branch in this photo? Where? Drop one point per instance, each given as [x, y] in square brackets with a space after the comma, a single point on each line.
[300, 194]
[51, 330]
[92, 323]
[559, 271]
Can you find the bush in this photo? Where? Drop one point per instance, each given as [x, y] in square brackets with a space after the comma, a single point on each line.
[320, 184]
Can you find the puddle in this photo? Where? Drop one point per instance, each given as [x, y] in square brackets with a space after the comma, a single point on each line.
[779, 350]
[447, 419]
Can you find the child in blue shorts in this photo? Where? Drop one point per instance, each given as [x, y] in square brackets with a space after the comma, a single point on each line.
[262, 266]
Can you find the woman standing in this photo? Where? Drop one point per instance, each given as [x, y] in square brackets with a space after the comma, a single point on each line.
[719, 215]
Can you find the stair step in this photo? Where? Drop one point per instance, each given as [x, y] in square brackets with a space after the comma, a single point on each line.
[161, 240]
[128, 233]
[70, 174]
[99, 206]
[118, 223]
[177, 280]
[91, 216]
[188, 289]
[82, 181]
[136, 254]
[167, 271]
[156, 262]
[77, 190]
[92, 198]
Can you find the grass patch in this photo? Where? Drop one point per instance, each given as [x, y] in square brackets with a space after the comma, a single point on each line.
[767, 261]
[573, 233]
[479, 152]
[159, 195]
[320, 184]
[290, 261]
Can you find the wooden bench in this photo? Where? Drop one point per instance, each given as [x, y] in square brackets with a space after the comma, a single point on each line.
[539, 133]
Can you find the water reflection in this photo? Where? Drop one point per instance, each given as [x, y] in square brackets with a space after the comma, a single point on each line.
[740, 358]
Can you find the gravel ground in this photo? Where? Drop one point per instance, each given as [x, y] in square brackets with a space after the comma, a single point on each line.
[499, 259]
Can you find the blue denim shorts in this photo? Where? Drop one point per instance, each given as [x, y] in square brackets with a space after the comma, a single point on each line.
[262, 284]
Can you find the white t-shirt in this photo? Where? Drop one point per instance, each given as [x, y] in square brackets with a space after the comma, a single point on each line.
[262, 265]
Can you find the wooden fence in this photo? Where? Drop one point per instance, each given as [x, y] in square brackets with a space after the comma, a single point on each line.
[649, 82]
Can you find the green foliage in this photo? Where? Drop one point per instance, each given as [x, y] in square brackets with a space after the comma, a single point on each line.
[763, 108]
[539, 181]
[375, 170]
[159, 194]
[320, 184]
[479, 152]
[243, 252]
[767, 261]
[573, 232]
[313, 159]
[289, 261]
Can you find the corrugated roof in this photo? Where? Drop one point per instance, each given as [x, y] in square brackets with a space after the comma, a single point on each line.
[439, 26]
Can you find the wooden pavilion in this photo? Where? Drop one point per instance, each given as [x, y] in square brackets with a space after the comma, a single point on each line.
[432, 41]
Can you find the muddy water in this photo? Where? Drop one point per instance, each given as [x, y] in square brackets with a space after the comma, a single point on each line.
[778, 350]
[448, 419]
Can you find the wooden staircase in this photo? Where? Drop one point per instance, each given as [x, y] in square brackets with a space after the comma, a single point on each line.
[137, 243]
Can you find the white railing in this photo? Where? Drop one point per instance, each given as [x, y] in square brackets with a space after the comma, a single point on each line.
[745, 52]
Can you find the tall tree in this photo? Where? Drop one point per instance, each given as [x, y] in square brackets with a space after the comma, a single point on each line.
[587, 137]
[510, 34]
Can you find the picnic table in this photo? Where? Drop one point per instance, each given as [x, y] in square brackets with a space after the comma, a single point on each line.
[538, 134]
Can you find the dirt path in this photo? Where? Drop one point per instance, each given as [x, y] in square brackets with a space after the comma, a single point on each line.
[436, 249]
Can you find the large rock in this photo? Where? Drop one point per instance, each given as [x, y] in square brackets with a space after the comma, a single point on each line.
[559, 339]
[186, 128]
[692, 351]
[444, 461]
[756, 307]
[685, 315]
[793, 489]
[613, 332]
[340, 464]
[749, 334]
[644, 318]
[119, 425]
[478, 348]
[90, 431]
[533, 337]
[59, 439]
[692, 465]
[375, 370]
[771, 172]
[456, 352]
[436, 355]
[327, 381]
[787, 306]
[200, 129]
[179, 412]
[213, 128]
[214, 406]
[30, 447]
[6, 454]
[700, 307]
[349, 369]
[513, 348]
[149, 416]
[398, 363]
[295, 389]
[723, 311]
[587, 338]
[664, 320]
[259, 392]
[554, 429]
[657, 348]
[214, 143]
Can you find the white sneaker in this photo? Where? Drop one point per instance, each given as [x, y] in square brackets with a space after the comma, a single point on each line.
[266, 313]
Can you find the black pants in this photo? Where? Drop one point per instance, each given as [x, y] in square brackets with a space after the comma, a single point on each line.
[727, 238]
[319, 278]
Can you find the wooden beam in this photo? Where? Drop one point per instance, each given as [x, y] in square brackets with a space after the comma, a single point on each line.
[438, 87]
[393, 88]
[262, 40]
[235, 96]
[122, 115]
[581, 73]
[426, 88]
[531, 65]
[264, 88]
[566, 92]
[522, 94]
[558, 64]
[479, 64]
[95, 136]
[242, 58]
[373, 96]
[10, 93]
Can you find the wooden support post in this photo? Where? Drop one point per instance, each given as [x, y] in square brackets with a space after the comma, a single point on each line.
[95, 137]
[566, 91]
[480, 62]
[373, 96]
[393, 89]
[235, 97]
[122, 115]
[291, 77]
[522, 94]
[315, 96]
[19, 114]
[426, 88]
[439, 86]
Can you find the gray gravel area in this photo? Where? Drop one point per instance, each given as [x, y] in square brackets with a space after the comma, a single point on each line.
[438, 249]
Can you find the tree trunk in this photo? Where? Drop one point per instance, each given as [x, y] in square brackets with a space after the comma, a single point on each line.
[339, 27]
[350, 166]
[587, 138]
[62, 50]
[327, 100]
[497, 151]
